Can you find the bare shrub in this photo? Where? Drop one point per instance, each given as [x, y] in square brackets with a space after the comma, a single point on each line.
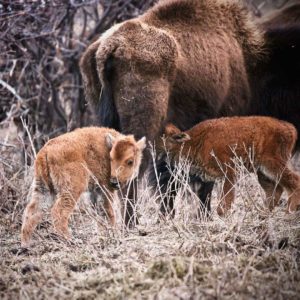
[41, 43]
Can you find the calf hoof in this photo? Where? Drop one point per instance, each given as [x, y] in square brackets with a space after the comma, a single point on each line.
[25, 243]
[220, 211]
[113, 223]
[59, 238]
[293, 207]
[63, 234]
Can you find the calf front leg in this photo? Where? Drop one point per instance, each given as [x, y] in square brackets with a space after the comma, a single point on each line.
[272, 189]
[41, 201]
[108, 201]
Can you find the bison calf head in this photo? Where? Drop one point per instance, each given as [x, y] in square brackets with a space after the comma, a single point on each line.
[125, 158]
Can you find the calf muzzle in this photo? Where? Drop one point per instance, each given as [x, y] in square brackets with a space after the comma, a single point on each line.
[114, 183]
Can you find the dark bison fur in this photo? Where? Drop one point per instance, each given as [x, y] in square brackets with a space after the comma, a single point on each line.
[276, 80]
[108, 114]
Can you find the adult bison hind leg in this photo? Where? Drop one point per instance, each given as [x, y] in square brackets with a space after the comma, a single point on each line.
[204, 194]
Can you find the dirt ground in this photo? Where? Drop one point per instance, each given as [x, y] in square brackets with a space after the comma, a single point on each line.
[250, 254]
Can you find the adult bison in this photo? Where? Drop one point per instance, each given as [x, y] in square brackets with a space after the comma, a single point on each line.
[183, 61]
[276, 79]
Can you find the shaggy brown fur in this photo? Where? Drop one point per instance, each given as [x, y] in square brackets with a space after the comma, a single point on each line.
[264, 144]
[183, 61]
[67, 165]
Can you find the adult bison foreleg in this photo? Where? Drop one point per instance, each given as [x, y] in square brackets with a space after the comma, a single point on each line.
[167, 187]
[141, 112]
[129, 195]
[135, 64]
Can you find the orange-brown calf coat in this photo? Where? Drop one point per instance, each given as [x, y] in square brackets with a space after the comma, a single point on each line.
[211, 146]
[71, 163]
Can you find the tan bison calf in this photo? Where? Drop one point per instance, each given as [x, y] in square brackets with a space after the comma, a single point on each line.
[212, 146]
[69, 164]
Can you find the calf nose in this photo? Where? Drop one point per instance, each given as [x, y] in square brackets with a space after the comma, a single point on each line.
[114, 182]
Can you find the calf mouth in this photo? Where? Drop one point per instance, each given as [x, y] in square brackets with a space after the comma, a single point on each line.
[115, 186]
[114, 183]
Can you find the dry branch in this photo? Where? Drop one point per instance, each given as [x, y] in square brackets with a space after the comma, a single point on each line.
[41, 43]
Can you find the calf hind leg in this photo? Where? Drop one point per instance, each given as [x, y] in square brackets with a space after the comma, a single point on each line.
[61, 212]
[291, 182]
[288, 179]
[108, 200]
[70, 185]
[40, 201]
[272, 189]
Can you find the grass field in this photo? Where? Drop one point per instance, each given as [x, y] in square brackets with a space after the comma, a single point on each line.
[250, 254]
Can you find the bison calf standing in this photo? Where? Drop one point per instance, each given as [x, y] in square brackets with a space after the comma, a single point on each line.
[212, 146]
[65, 167]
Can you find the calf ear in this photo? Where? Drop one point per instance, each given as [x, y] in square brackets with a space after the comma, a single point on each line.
[171, 129]
[180, 137]
[142, 143]
[109, 139]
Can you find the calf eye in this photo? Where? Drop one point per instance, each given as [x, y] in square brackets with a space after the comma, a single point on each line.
[130, 162]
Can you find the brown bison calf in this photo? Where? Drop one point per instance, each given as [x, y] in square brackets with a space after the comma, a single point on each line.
[212, 146]
[67, 165]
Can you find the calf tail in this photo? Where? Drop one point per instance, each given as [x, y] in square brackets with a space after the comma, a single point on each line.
[43, 181]
[288, 140]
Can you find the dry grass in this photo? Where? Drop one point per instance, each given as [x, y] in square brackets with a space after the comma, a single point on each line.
[251, 254]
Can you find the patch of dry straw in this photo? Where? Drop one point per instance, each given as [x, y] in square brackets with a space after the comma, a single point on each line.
[250, 254]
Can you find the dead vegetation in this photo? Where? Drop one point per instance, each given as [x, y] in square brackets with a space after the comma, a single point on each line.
[41, 44]
[252, 253]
